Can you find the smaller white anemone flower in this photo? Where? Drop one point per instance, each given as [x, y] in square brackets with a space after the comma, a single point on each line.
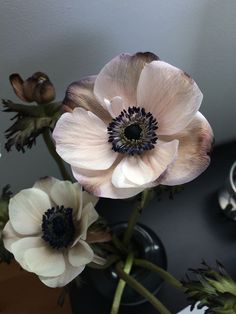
[47, 230]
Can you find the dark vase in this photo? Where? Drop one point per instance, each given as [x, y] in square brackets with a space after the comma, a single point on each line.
[149, 247]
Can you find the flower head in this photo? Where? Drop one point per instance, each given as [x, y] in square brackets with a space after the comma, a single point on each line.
[48, 230]
[37, 87]
[134, 126]
[212, 288]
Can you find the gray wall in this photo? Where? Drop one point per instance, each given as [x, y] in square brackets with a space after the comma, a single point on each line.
[72, 38]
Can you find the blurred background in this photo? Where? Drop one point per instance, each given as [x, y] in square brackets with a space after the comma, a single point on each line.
[74, 38]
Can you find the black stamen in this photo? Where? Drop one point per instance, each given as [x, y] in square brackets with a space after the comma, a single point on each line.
[58, 227]
[133, 131]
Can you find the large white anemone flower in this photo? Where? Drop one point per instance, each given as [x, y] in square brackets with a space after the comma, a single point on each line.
[47, 230]
[135, 125]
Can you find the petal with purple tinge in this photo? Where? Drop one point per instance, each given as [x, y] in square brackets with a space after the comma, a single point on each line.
[141, 170]
[82, 140]
[120, 76]
[170, 95]
[99, 183]
[80, 94]
[195, 143]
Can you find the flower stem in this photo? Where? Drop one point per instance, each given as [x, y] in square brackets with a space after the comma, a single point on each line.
[134, 217]
[135, 285]
[51, 148]
[163, 273]
[121, 285]
[119, 245]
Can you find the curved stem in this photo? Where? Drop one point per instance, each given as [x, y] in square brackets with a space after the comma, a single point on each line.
[51, 148]
[135, 285]
[134, 217]
[119, 245]
[163, 273]
[121, 285]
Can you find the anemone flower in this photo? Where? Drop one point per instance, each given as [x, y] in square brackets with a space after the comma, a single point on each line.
[134, 126]
[47, 230]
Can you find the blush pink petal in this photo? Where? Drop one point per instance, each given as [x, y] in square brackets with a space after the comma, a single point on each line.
[120, 77]
[99, 183]
[80, 94]
[115, 106]
[170, 95]
[195, 143]
[144, 169]
[82, 140]
[26, 210]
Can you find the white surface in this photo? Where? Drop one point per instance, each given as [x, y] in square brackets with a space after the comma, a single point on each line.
[195, 311]
[73, 38]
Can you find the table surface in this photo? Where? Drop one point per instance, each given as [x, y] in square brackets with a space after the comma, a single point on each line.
[191, 228]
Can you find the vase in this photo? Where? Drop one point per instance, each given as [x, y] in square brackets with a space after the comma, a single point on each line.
[227, 195]
[149, 247]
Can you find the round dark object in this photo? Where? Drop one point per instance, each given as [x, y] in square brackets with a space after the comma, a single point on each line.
[150, 248]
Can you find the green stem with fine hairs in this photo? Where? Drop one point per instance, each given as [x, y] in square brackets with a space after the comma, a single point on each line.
[51, 148]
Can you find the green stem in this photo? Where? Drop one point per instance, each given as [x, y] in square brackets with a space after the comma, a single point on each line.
[134, 217]
[51, 148]
[119, 245]
[135, 285]
[121, 285]
[163, 274]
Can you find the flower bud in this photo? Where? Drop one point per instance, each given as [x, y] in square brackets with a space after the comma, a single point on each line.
[213, 288]
[36, 88]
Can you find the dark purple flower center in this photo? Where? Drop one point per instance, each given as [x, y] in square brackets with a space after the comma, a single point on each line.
[133, 131]
[58, 227]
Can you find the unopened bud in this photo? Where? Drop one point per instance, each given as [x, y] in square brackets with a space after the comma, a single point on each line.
[37, 87]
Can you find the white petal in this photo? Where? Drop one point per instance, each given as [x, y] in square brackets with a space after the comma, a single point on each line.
[99, 183]
[45, 261]
[64, 193]
[26, 210]
[115, 106]
[120, 77]
[10, 236]
[82, 140]
[144, 169]
[80, 94]
[89, 216]
[89, 198]
[80, 254]
[195, 143]
[99, 260]
[170, 95]
[19, 248]
[45, 184]
[60, 281]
